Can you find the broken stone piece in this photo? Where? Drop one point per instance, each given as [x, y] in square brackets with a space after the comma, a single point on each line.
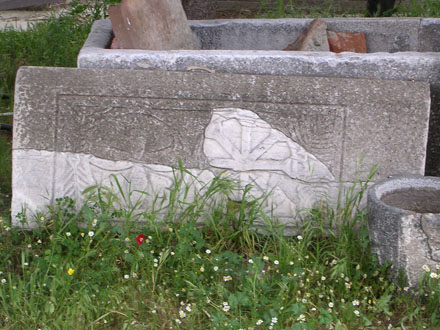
[151, 24]
[347, 42]
[314, 39]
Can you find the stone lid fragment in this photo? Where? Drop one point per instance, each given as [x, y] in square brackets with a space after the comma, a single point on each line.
[314, 39]
[151, 24]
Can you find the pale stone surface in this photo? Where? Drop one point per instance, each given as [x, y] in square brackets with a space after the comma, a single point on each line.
[301, 137]
[407, 239]
[151, 24]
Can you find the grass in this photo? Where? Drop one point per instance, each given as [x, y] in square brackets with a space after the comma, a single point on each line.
[290, 8]
[98, 268]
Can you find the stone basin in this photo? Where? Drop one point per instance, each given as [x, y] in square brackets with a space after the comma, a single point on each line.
[404, 224]
[399, 49]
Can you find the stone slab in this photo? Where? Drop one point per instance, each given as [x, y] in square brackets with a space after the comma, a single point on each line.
[405, 50]
[300, 137]
[152, 24]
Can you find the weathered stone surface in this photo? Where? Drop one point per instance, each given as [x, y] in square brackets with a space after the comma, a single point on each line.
[152, 24]
[301, 137]
[408, 235]
[229, 39]
[346, 42]
[314, 39]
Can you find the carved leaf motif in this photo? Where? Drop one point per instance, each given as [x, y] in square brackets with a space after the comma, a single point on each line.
[240, 140]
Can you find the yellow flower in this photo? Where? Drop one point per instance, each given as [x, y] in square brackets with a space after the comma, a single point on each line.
[71, 271]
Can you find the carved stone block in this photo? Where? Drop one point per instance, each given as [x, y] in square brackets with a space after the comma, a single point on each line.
[300, 138]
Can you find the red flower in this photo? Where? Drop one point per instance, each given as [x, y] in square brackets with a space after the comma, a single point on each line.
[140, 239]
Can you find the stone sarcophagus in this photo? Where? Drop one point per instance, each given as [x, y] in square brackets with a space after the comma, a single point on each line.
[300, 139]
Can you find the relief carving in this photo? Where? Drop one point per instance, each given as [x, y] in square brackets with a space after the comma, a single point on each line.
[257, 154]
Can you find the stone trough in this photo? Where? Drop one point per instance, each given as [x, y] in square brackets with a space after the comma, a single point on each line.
[399, 49]
[404, 224]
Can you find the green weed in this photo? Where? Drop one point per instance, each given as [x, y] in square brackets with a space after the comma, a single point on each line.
[112, 266]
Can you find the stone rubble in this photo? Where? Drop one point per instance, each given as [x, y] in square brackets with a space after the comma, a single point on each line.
[318, 39]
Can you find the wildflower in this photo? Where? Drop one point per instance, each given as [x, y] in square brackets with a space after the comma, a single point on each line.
[291, 263]
[250, 261]
[226, 308]
[437, 266]
[434, 275]
[26, 264]
[95, 222]
[126, 251]
[140, 239]
[202, 269]
[182, 314]
[227, 278]
[323, 278]
[355, 302]
[276, 262]
[3, 280]
[70, 271]
[178, 321]
[259, 322]
[208, 251]
[134, 275]
[188, 308]
[265, 258]
[406, 289]
[299, 237]
[301, 318]
[356, 312]
[223, 175]
[274, 320]
[126, 276]
[127, 239]
[330, 304]
[29, 246]
[426, 268]
[39, 241]
[348, 285]
[91, 233]
[215, 268]
[82, 234]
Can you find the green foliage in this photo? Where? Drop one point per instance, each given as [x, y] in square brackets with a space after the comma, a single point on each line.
[113, 263]
[419, 8]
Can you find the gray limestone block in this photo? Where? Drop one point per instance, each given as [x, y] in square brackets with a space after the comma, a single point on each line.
[302, 137]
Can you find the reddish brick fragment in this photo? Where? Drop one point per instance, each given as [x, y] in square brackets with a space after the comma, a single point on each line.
[347, 42]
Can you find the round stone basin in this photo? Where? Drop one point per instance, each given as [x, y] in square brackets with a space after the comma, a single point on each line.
[404, 224]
